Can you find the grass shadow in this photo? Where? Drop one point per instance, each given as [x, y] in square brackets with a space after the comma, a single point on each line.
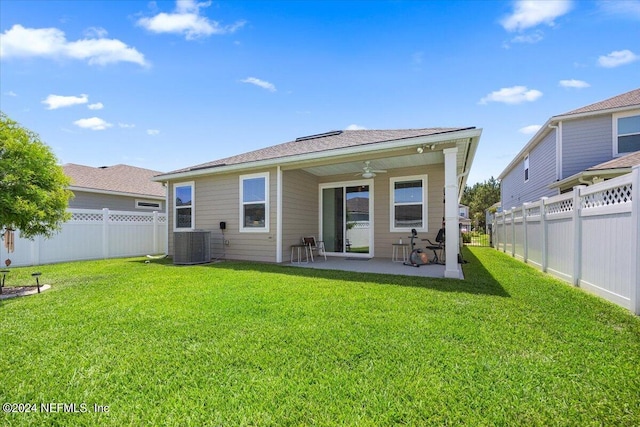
[477, 279]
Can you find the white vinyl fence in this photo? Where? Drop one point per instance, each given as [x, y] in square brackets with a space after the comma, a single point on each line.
[589, 237]
[93, 234]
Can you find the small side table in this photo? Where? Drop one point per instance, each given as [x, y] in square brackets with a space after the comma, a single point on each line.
[397, 248]
[299, 249]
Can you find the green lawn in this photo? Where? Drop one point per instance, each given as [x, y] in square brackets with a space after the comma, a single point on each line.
[253, 344]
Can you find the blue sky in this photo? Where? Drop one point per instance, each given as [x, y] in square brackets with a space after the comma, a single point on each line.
[165, 85]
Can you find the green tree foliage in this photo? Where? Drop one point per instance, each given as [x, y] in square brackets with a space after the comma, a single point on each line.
[33, 187]
[479, 198]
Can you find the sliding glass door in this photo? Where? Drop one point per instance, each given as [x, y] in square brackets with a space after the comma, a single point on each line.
[346, 218]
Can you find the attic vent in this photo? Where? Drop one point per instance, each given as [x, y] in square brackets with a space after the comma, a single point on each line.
[319, 135]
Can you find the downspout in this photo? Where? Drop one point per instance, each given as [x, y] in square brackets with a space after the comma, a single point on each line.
[558, 129]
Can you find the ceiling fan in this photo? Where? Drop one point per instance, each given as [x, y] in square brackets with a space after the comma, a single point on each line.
[368, 171]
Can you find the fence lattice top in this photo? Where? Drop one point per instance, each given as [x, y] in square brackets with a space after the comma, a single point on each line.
[613, 196]
[560, 206]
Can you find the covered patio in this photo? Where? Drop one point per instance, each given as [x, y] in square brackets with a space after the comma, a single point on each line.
[376, 265]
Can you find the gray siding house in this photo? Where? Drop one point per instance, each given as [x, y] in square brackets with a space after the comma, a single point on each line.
[119, 188]
[560, 155]
[263, 202]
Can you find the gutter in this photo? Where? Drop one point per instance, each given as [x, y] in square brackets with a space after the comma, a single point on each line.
[328, 154]
[114, 193]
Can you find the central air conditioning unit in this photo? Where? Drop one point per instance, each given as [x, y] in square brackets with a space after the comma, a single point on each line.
[191, 247]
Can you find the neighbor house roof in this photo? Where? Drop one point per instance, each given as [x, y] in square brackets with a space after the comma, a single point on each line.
[124, 179]
[610, 169]
[623, 102]
[325, 142]
[620, 101]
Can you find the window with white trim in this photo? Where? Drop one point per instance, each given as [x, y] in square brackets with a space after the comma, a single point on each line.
[148, 204]
[526, 168]
[254, 202]
[184, 209]
[408, 198]
[626, 133]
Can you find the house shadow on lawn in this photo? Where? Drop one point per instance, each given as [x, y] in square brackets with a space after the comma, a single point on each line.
[478, 280]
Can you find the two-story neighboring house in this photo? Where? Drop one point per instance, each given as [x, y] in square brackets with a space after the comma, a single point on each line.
[570, 146]
[118, 187]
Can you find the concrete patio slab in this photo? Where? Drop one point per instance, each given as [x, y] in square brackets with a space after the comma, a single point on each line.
[376, 265]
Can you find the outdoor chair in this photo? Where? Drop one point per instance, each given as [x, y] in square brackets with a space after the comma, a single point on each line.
[314, 245]
[437, 247]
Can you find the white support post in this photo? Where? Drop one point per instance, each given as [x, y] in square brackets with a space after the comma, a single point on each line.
[635, 238]
[156, 249]
[504, 232]
[577, 235]
[525, 240]
[452, 229]
[105, 232]
[513, 231]
[543, 227]
[279, 215]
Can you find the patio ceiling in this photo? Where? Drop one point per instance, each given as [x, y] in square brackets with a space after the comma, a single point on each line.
[387, 163]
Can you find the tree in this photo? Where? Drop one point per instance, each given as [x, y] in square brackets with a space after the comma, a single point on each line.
[33, 187]
[479, 198]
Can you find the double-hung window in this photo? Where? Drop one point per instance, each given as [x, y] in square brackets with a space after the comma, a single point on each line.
[626, 133]
[526, 168]
[254, 202]
[183, 195]
[408, 203]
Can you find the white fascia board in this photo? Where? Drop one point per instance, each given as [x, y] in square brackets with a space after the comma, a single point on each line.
[535, 140]
[337, 153]
[114, 193]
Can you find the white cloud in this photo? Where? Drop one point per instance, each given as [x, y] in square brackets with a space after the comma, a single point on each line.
[96, 106]
[531, 13]
[577, 84]
[11, 93]
[187, 20]
[21, 42]
[512, 95]
[617, 58]
[95, 32]
[260, 83]
[153, 131]
[126, 126]
[355, 127]
[529, 130]
[93, 123]
[626, 9]
[58, 101]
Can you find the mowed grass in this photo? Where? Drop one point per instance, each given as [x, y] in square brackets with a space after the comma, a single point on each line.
[253, 344]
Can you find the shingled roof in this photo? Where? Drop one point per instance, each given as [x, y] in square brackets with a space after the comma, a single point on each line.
[333, 140]
[118, 179]
[627, 99]
[628, 161]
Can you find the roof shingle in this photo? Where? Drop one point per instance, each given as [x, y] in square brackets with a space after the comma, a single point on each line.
[322, 142]
[627, 99]
[118, 178]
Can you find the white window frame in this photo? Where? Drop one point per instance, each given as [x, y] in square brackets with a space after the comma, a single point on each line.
[264, 229]
[527, 168]
[615, 135]
[140, 202]
[193, 205]
[425, 203]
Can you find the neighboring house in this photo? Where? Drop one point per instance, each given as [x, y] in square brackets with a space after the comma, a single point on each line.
[465, 221]
[119, 187]
[270, 198]
[561, 154]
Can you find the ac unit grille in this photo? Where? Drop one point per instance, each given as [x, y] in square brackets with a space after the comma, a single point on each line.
[191, 247]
